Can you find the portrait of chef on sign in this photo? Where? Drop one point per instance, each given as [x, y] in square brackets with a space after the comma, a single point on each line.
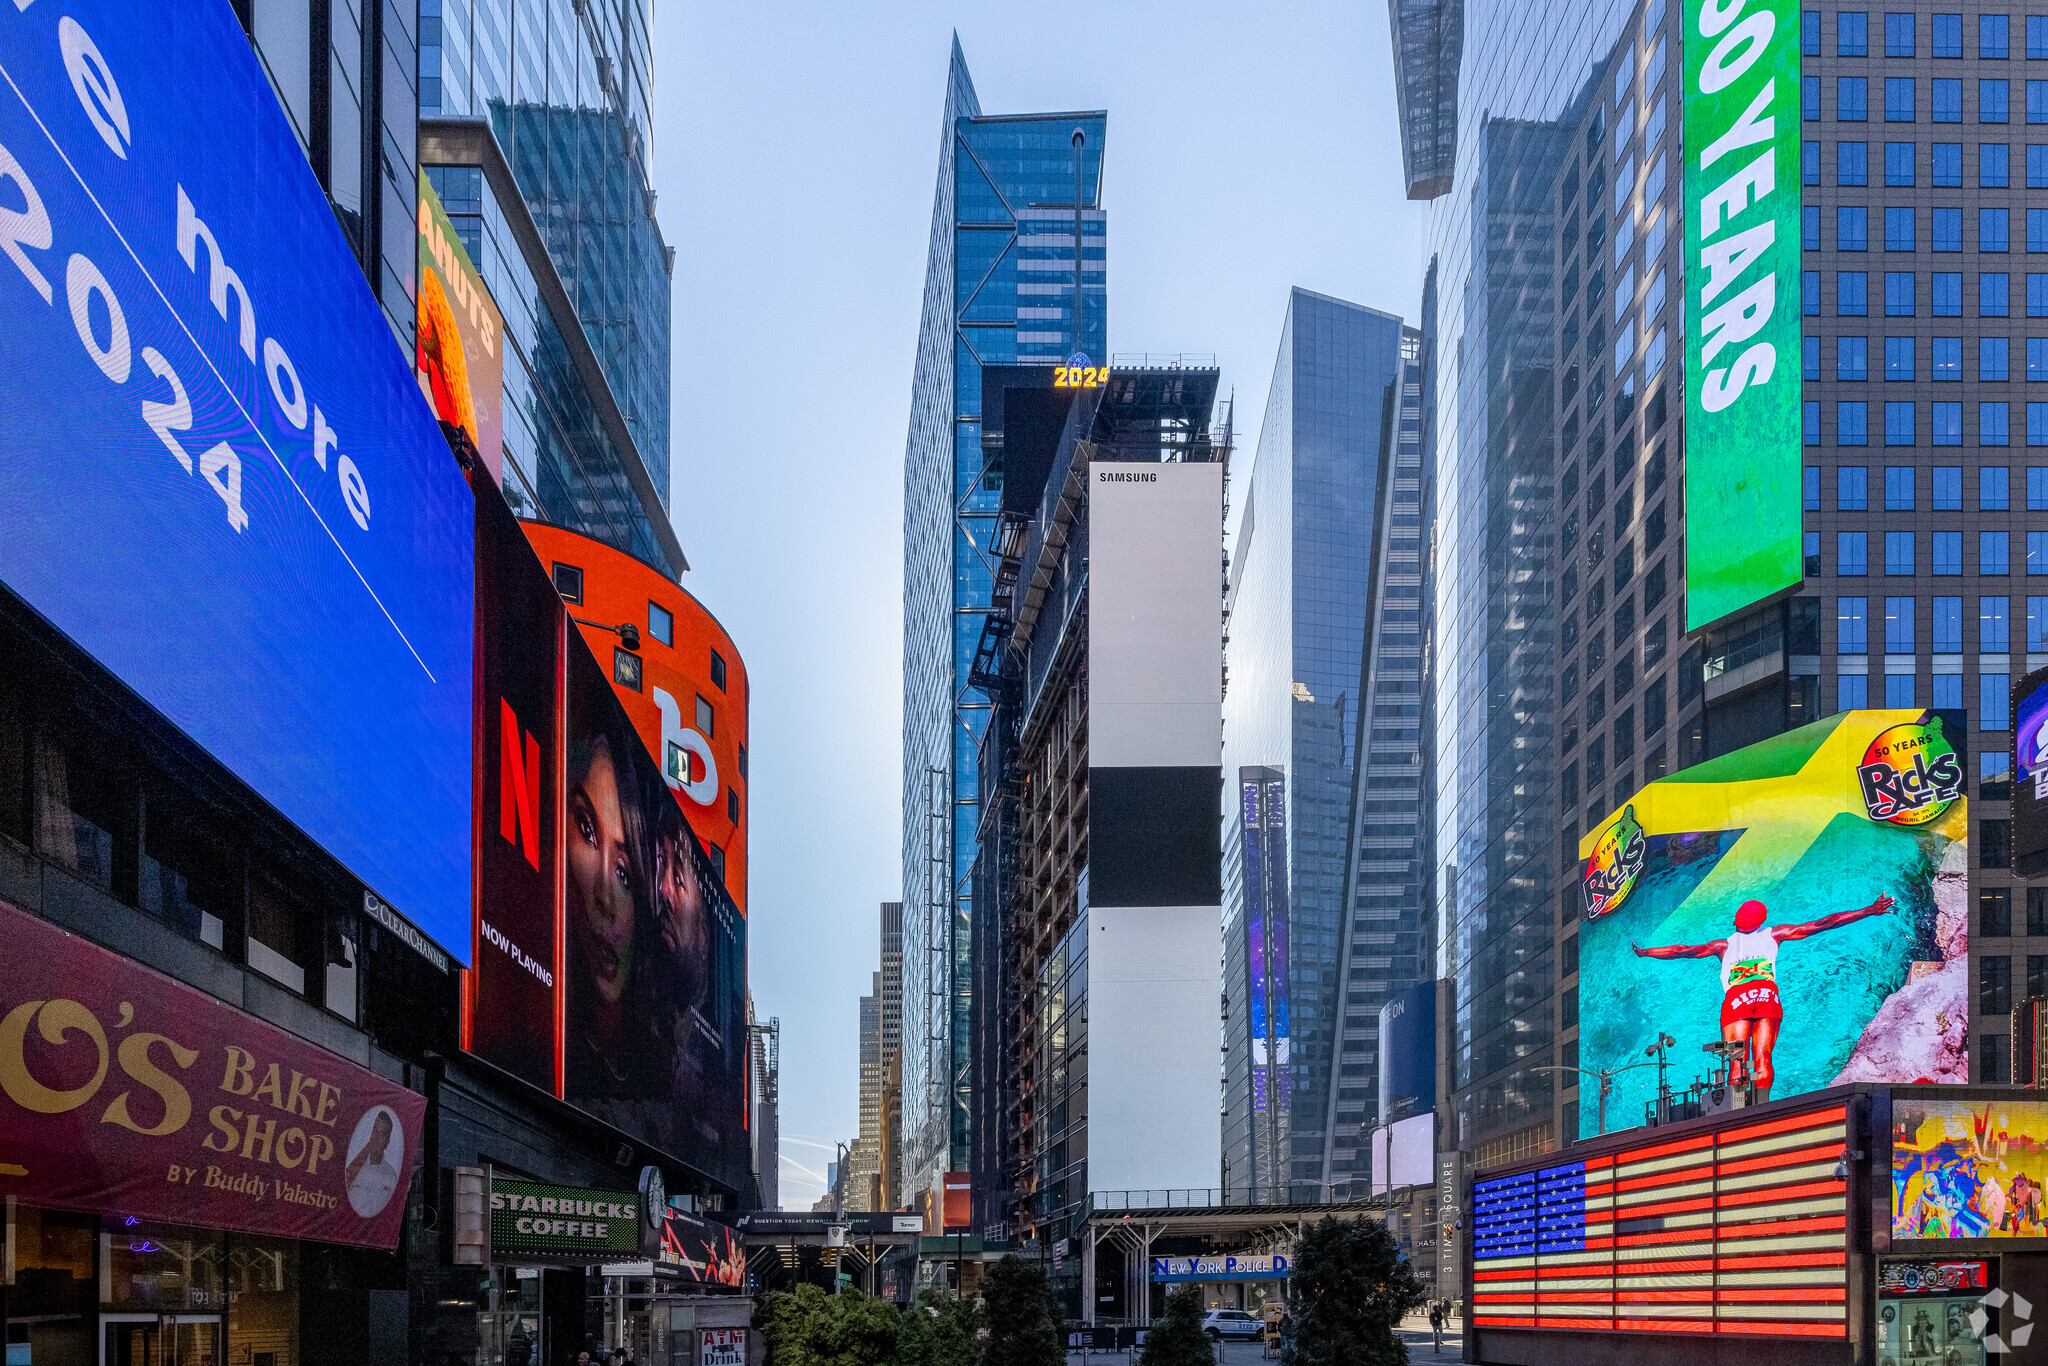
[375, 1151]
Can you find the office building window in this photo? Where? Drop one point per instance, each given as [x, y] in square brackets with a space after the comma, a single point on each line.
[1994, 424]
[1852, 626]
[1948, 35]
[1898, 229]
[1994, 844]
[1898, 35]
[1948, 552]
[1809, 293]
[661, 623]
[1852, 163]
[1898, 99]
[2037, 101]
[1994, 703]
[1948, 626]
[2037, 488]
[1898, 424]
[1948, 691]
[2037, 295]
[1994, 359]
[1948, 359]
[1898, 163]
[1898, 552]
[2037, 553]
[1994, 295]
[1852, 358]
[1852, 99]
[1948, 295]
[2037, 424]
[1852, 692]
[1994, 101]
[2037, 359]
[1994, 1053]
[1809, 163]
[1948, 230]
[1898, 359]
[1811, 553]
[1809, 417]
[1994, 165]
[1898, 293]
[1994, 488]
[1898, 626]
[1948, 165]
[1994, 625]
[1898, 690]
[2037, 37]
[1993, 37]
[1852, 488]
[1948, 101]
[1809, 358]
[1809, 98]
[2037, 165]
[1898, 488]
[1852, 424]
[1809, 483]
[1948, 488]
[1994, 230]
[1809, 228]
[1852, 34]
[1994, 552]
[2037, 625]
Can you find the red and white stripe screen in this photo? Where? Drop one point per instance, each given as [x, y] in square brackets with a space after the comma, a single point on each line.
[1738, 1232]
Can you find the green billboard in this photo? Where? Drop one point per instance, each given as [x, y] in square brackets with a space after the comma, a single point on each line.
[1742, 396]
[530, 1220]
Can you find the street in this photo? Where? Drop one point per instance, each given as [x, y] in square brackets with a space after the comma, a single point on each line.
[1414, 1332]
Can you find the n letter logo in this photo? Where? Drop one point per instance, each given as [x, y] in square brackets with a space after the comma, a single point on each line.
[518, 785]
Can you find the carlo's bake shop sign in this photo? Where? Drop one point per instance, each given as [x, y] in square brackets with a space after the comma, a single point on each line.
[125, 1092]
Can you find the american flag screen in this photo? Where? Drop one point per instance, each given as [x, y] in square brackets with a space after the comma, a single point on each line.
[1742, 1231]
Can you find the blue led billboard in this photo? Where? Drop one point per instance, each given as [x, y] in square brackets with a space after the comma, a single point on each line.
[219, 475]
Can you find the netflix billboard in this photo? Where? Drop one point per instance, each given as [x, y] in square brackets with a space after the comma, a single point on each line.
[125, 1092]
[610, 957]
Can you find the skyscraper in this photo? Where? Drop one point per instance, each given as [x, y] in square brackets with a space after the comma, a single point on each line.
[1301, 601]
[1000, 290]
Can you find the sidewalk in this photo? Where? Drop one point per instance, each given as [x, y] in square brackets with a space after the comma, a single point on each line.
[1414, 1331]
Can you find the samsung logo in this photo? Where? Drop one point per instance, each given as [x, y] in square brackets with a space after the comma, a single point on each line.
[1114, 477]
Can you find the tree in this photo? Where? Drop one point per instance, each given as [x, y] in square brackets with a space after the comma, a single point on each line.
[1351, 1289]
[1176, 1338]
[938, 1331]
[807, 1327]
[1024, 1326]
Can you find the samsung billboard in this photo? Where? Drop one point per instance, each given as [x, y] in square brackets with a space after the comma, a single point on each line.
[220, 477]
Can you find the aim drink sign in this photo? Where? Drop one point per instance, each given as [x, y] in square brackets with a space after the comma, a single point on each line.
[1742, 383]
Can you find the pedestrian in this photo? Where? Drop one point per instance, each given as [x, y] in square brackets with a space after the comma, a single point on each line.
[1436, 1326]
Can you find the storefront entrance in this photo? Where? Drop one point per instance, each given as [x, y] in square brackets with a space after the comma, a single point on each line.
[161, 1340]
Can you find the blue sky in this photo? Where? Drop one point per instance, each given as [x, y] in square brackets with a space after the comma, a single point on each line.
[1251, 147]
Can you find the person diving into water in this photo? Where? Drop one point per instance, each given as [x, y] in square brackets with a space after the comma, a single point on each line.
[1751, 1012]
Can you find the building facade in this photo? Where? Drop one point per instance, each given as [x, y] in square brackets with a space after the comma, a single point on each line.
[1004, 282]
[1302, 601]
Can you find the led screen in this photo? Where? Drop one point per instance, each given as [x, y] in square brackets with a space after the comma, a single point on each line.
[2030, 775]
[220, 478]
[456, 347]
[1969, 1169]
[1740, 326]
[1802, 902]
[1738, 1232]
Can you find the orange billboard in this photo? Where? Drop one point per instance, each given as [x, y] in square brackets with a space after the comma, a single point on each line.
[678, 675]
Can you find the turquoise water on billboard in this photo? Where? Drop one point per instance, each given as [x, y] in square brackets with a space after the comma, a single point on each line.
[1831, 984]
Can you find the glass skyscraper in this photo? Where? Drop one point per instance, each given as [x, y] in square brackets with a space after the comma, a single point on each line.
[1300, 603]
[999, 291]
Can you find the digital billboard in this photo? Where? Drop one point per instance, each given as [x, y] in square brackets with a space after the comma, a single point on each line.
[2030, 775]
[1741, 321]
[610, 961]
[685, 689]
[457, 349]
[1966, 1168]
[1627, 1242]
[221, 481]
[1801, 904]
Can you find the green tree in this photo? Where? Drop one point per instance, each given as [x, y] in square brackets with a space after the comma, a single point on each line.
[808, 1327]
[939, 1331]
[1024, 1326]
[1176, 1338]
[1351, 1289]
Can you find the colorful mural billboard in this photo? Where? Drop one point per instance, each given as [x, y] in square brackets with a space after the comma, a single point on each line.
[1801, 905]
[1966, 1168]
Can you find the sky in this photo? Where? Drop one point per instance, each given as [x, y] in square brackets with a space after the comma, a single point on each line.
[1250, 148]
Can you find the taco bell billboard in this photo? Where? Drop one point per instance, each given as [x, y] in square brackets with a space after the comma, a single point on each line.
[221, 478]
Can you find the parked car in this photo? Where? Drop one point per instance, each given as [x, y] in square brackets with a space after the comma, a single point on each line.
[1230, 1323]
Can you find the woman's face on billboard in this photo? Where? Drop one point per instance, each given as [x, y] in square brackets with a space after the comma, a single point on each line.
[600, 880]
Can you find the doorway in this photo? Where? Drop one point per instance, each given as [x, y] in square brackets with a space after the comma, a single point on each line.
[160, 1340]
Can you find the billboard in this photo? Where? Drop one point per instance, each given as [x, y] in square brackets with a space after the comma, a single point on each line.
[1966, 1168]
[686, 690]
[1263, 796]
[610, 962]
[1742, 375]
[2030, 775]
[702, 1252]
[1645, 1253]
[1802, 903]
[1404, 1154]
[457, 349]
[206, 1115]
[531, 1220]
[221, 481]
[1408, 1051]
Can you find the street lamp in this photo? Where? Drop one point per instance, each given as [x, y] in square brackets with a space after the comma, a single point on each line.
[1606, 1076]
